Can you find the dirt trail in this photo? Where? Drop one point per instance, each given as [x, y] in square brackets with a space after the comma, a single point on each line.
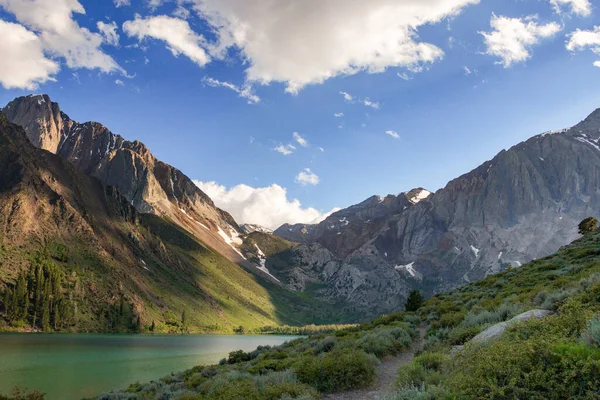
[386, 375]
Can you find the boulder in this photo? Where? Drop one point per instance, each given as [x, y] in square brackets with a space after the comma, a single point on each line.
[494, 332]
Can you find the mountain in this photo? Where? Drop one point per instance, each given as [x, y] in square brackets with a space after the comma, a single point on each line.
[250, 228]
[75, 255]
[150, 185]
[523, 204]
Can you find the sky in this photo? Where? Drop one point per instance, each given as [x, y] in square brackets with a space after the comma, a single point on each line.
[283, 111]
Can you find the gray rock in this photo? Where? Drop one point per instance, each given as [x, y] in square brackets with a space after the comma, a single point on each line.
[496, 331]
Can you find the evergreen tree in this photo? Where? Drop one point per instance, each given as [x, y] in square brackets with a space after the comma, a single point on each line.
[152, 327]
[588, 225]
[46, 317]
[415, 301]
[183, 319]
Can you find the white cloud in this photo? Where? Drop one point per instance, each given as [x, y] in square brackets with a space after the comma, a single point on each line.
[404, 76]
[301, 141]
[309, 41]
[23, 64]
[467, 70]
[60, 34]
[119, 82]
[579, 7]
[286, 150]
[307, 177]
[122, 3]
[267, 206]
[109, 31]
[321, 149]
[512, 38]
[366, 101]
[245, 92]
[393, 134]
[338, 115]
[372, 104]
[175, 32]
[581, 40]
[347, 96]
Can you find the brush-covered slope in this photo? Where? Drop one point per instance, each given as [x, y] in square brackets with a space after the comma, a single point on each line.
[75, 255]
[150, 185]
[553, 358]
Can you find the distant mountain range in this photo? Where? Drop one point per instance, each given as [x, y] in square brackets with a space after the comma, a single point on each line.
[360, 261]
[523, 204]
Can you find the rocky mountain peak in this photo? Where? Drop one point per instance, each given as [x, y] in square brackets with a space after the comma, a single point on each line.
[417, 195]
[150, 185]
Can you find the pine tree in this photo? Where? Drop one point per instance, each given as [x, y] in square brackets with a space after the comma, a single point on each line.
[46, 317]
[415, 301]
[183, 319]
[152, 327]
[588, 225]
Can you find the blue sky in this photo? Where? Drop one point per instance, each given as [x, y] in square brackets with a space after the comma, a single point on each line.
[449, 96]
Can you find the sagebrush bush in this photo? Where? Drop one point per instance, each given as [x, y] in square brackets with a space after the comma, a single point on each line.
[415, 374]
[461, 334]
[591, 335]
[384, 341]
[338, 370]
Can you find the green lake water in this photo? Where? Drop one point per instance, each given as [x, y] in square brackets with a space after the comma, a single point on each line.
[73, 366]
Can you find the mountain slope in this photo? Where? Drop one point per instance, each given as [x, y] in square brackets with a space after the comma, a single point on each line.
[150, 185]
[113, 268]
[523, 204]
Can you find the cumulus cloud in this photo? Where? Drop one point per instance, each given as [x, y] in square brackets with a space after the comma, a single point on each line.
[23, 64]
[176, 33]
[307, 42]
[60, 35]
[286, 150]
[512, 38]
[579, 7]
[581, 40]
[300, 140]
[119, 82]
[245, 92]
[307, 177]
[122, 3]
[373, 104]
[267, 206]
[109, 31]
[393, 134]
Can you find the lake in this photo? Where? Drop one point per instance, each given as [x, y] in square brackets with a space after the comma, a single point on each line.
[72, 366]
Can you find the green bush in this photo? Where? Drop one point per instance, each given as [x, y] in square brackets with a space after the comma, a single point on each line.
[415, 374]
[338, 370]
[451, 319]
[591, 335]
[291, 389]
[431, 361]
[460, 335]
[385, 341]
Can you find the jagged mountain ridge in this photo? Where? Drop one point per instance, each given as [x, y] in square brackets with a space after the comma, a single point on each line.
[523, 204]
[110, 252]
[149, 184]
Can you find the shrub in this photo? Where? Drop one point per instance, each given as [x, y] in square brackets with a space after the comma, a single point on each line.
[411, 319]
[461, 335]
[415, 374]
[325, 345]
[451, 319]
[431, 361]
[591, 336]
[383, 342]
[552, 300]
[291, 389]
[338, 370]
[409, 393]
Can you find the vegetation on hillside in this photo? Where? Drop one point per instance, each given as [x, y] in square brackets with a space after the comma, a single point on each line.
[557, 357]
[301, 369]
[553, 358]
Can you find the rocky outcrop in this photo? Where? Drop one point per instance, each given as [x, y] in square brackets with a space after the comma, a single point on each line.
[496, 331]
[150, 185]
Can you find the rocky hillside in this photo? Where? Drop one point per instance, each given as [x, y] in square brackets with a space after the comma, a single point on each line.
[68, 239]
[150, 185]
[523, 204]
